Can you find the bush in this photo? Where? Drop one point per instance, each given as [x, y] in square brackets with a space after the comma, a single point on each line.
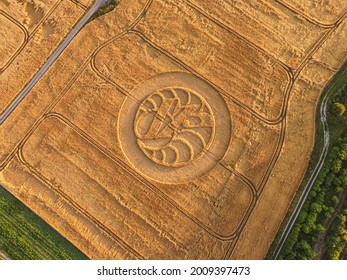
[338, 109]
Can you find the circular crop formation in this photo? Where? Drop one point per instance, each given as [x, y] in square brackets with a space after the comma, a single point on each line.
[174, 127]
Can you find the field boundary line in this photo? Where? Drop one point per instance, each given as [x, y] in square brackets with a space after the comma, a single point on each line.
[309, 18]
[61, 94]
[114, 158]
[241, 37]
[226, 95]
[26, 36]
[315, 48]
[76, 206]
[84, 7]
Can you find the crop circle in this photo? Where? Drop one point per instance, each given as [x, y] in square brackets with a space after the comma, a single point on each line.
[174, 127]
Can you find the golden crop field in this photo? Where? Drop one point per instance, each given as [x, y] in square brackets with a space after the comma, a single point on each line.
[30, 31]
[172, 129]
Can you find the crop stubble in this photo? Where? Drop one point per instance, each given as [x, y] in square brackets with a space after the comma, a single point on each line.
[69, 160]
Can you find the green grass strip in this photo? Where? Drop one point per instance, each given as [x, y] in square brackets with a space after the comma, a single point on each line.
[25, 236]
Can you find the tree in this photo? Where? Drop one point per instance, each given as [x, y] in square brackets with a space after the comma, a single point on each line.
[313, 194]
[306, 229]
[336, 166]
[331, 210]
[320, 228]
[302, 216]
[338, 109]
[327, 214]
[337, 182]
[335, 200]
[329, 179]
[343, 152]
[333, 240]
[307, 250]
[338, 190]
[316, 208]
[334, 254]
[343, 176]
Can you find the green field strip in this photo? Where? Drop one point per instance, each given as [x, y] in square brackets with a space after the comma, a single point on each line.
[24, 235]
[30, 234]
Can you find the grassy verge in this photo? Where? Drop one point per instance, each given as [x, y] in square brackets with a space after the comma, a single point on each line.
[24, 235]
[337, 129]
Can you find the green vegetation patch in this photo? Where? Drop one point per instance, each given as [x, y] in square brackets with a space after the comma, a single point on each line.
[25, 236]
[337, 114]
